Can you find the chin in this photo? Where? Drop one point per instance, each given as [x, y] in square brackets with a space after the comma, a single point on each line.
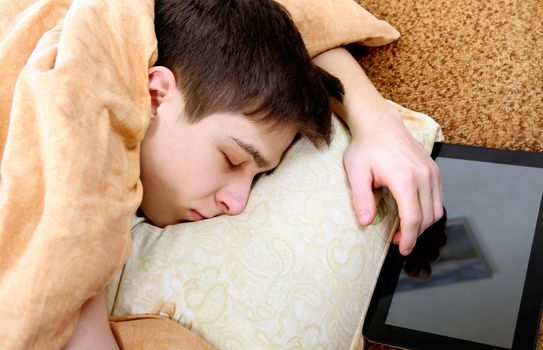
[157, 220]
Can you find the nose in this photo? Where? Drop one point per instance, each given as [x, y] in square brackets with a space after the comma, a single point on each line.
[232, 198]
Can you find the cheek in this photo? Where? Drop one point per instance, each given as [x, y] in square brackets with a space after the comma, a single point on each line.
[210, 177]
[199, 176]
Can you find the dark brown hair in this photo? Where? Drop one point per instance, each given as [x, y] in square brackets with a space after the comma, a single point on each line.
[244, 56]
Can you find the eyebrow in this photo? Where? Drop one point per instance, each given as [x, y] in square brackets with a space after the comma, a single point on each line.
[250, 149]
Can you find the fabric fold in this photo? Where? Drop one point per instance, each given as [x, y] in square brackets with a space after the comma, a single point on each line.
[70, 166]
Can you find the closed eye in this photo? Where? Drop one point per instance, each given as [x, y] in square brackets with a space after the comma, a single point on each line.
[228, 162]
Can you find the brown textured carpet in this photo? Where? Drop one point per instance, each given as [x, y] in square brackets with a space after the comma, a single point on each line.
[476, 66]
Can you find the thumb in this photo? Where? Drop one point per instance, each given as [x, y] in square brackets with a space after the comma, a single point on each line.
[363, 198]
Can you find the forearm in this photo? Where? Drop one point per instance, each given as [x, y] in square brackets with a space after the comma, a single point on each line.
[362, 103]
[93, 330]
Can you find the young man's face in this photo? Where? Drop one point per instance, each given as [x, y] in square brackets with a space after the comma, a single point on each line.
[200, 170]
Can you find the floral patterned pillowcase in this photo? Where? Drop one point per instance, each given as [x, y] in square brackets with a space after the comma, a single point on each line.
[294, 270]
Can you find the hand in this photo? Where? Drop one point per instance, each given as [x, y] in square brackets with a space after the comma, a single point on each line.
[385, 154]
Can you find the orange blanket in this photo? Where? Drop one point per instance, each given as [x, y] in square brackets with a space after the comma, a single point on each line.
[70, 164]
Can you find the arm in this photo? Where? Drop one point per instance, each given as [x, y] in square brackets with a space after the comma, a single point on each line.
[92, 330]
[383, 153]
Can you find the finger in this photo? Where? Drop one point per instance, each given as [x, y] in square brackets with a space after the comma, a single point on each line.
[410, 214]
[426, 201]
[437, 192]
[363, 198]
[396, 238]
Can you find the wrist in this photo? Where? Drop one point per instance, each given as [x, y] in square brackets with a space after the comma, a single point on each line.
[371, 119]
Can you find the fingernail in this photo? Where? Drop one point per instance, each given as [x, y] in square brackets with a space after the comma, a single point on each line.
[407, 251]
[365, 216]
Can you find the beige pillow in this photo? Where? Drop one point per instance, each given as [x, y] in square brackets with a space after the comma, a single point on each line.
[325, 24]
[295, 270]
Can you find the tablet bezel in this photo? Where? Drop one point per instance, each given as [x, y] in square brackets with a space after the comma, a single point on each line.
[526, 331]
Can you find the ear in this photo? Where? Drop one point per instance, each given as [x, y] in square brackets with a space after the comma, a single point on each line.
[162, 86]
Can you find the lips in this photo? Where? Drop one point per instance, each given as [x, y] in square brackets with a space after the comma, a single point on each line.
[196, 216]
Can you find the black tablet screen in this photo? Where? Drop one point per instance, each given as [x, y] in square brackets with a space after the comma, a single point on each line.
[475, 286]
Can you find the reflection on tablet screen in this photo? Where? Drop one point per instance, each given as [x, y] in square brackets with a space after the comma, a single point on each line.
[492, 211]
[460, 260]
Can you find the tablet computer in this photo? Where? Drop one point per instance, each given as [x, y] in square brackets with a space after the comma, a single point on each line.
[474, 280]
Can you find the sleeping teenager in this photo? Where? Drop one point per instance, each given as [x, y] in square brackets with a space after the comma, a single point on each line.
[228, 97]
[233, 87]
